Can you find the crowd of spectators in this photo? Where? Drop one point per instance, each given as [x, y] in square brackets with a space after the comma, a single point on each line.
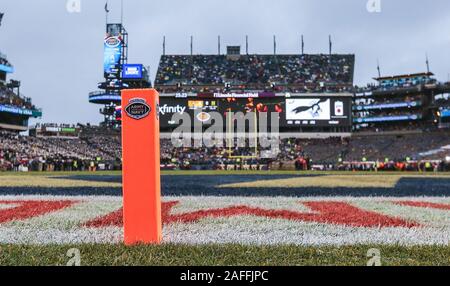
[9, 98]
[93, 151]
[391, 113]
[294, 73]
[443, 102]
[389, 100]
[330, 153]
[399, 127]
[52, 154]
[4, 61]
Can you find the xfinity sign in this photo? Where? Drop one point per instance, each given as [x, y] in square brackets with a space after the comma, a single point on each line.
[171, 109]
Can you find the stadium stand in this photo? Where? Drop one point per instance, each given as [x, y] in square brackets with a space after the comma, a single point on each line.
[55, 154]
[396, 122]
[101, 149]
[291, 73]
[403, 102]
[8, 97]
[15, 109]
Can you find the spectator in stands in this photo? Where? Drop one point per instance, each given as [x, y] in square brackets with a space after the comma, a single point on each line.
[289, 73]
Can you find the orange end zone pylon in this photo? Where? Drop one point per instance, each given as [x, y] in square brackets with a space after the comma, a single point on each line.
[141, 167]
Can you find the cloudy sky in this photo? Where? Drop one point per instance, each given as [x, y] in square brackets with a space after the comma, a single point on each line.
[58, 55]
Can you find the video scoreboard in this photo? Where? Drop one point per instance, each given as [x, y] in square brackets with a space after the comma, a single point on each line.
[292, 110]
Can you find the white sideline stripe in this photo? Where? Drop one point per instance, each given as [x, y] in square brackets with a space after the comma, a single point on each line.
[242, 230]
[251, 230]
[191, 204]
[7, 206]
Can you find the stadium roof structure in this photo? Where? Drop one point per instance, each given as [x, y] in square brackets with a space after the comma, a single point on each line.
[394, 77]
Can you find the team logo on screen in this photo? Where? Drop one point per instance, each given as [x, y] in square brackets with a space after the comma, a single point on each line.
[308, 109]
[137, 108]
[203, 116]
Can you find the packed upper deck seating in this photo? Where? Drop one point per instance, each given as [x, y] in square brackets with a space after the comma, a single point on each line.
[293, 73]
[8, 97]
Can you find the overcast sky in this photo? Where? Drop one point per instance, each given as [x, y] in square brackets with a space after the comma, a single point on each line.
[58, 55]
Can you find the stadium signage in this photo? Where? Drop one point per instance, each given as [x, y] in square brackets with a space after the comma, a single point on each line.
[237, 95]
[132, 71]
[105, 97]
[16, 110]
[112, 42]
[171, 109]
[181, 95]
[445, 113]
[138, 108]
[391, 105]
[339, 108]
[7, 69]
[112, 57]
[387, 118]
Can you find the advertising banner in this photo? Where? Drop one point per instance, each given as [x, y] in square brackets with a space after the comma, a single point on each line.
[112, 56]
[132, 71]
[293, 112]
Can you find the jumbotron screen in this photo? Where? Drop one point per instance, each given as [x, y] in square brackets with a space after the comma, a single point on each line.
[305, 111]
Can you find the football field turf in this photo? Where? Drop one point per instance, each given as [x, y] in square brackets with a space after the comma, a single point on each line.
[231, 218]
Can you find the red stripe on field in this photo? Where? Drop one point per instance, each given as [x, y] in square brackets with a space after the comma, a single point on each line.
[116, 218]
[30, 209]
[337, 213]
[424, 205]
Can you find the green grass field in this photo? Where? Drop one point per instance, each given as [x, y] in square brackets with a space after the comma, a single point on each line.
[223, 255]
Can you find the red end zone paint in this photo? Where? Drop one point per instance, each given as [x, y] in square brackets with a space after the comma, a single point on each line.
[116, 218]
[424, 205]
[141, 166]
[30, 209]
[337, 213]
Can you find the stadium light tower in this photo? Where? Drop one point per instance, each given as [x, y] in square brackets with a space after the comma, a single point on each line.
[330, 44]
[246, 44]
[303, 46]
[118, 74]
[106, 12]
[378, 68]
[164, 45]
[218, 45]
[121, 11]
[274, 45]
